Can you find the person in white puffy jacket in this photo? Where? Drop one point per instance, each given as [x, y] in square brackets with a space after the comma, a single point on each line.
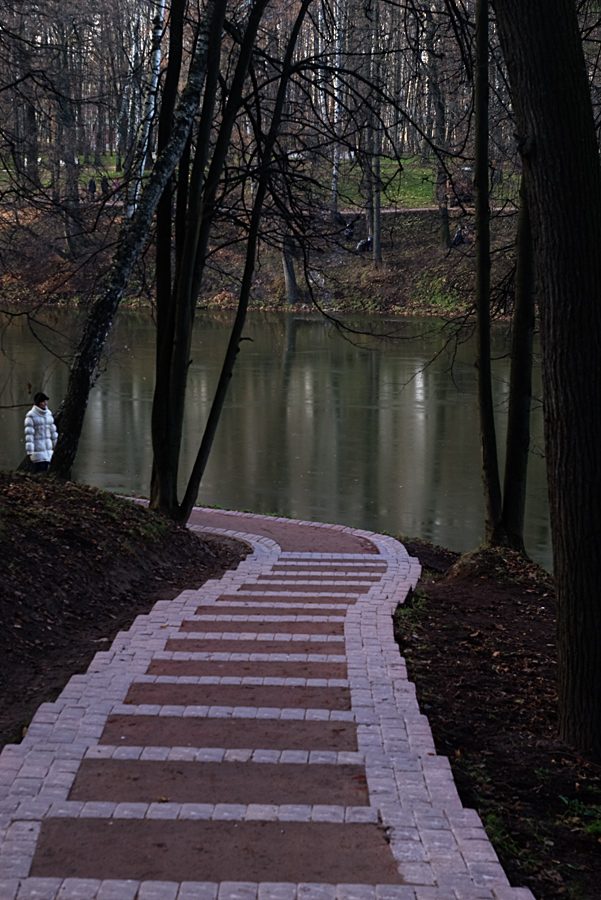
[40, 433]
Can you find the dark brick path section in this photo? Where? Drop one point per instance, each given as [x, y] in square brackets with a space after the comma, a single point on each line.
[133, 781]
[183, 731]
[215, 851]
[291, 536]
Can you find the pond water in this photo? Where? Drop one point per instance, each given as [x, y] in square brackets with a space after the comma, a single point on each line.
[376, 434]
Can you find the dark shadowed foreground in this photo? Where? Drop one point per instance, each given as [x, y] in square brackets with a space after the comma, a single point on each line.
[77, 565]
[479, 640]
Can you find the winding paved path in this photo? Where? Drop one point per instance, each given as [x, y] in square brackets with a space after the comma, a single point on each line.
[256, 739]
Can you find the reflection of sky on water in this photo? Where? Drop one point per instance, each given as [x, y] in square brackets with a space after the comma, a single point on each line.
[314, 427]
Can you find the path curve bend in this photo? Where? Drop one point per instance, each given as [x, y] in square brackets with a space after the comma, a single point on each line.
[255, 739]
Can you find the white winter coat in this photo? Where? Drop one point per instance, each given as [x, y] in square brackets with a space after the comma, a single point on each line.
[40, 434]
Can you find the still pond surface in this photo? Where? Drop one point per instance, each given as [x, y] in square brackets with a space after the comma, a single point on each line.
[380, 435]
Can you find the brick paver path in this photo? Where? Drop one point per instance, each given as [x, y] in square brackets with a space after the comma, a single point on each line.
[256, 739]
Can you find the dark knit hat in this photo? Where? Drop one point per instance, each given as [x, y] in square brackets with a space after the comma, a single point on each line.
[39, 398]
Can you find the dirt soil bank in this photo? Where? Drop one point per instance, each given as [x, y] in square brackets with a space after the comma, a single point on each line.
[418, 275]
[77, 565]
[479, 640]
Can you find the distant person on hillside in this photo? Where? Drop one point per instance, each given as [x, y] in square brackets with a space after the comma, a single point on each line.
[104, 186]
[459, 237]
[92, 188]
[40, 433]
[117, 189]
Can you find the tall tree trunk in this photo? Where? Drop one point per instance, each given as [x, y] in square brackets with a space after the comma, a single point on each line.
[520, 384]
[376, 135]
[67, 123]
[368, 178]
[488, 441]
[251, 251]
[558, 143]
[174, 341]
[100, 138]
[163, 241]
[339, 14]
[292, 294]
[439, 117]
[32, 147]
[377, 198]
[149, 105]
[172, 374]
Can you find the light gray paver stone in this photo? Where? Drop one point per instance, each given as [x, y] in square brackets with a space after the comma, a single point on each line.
[394, 892]
[238, 890]
[158, 890]
[78, 888]
[198, 890]
[274, 890]
[38, 889]
[316, 892]
[118, 890]
[355, 892]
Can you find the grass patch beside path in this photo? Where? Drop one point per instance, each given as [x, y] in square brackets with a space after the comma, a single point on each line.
[479, 640]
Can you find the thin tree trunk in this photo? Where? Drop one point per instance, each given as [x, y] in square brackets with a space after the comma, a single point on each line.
[520, 384]
[71, 212]
[368, 178]
[170, 388]
[32, 147]
[377, 199]
[150, 88]
[490, 465]
[340, 14]
[292, 294]
[439, 117]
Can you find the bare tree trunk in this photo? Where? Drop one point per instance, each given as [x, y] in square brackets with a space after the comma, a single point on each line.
[174, 341]
[340, 13]
[490, 465]
[377, 199]
[32, 147]
[439, 116]
[292, 292]
[149, 105]
[376, 137]
[520, 384]
[172, 374]
[251, 251]
[560, 154]
[164, 227]
[67, 123]
[442, 199]
[368, 178]
[100, 142]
